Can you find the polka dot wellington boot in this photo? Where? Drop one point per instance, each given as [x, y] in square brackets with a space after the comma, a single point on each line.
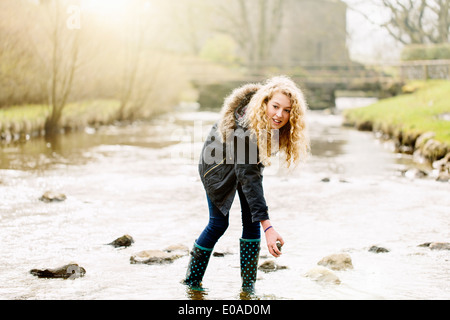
[197, 266]
[249, 263]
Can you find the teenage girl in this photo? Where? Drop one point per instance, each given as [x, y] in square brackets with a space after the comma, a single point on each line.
[257, 120]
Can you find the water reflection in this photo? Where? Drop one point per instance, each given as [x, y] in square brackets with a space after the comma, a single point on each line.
[193, 294]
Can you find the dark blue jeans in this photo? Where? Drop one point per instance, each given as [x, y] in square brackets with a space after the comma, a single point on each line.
[218, 224]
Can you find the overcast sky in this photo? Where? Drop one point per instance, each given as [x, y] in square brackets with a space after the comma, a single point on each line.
[368, 42]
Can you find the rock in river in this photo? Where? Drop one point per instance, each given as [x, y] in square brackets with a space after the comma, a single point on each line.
[322, 274]
[415, 173]
[69, 271]
[439, 246]
[50, 196]
[270, 266]
[158, 256]
[340, 261]
[436, 245]
[377, 249]
[124, 241]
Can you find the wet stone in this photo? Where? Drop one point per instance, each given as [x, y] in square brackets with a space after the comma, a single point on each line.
[270, 266]
[376, 249]
[439, 246]
[69, 271]
[169, 255]
[424, 245]
[124, 241]
[415, 173]
[436, 245]
[323, 275]
[279, 246]
[340, 261]
[443, 165]
[50, 196]
[443, 177]
[152, 257]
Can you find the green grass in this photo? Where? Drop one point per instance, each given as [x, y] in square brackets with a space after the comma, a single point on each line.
[74, 114]
[18, 113]
[414, 112]
[91, 111]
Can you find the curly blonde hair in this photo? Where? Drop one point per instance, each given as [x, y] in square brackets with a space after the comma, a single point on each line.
[293, 138]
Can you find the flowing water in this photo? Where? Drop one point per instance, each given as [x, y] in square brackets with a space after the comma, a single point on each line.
[142, 180]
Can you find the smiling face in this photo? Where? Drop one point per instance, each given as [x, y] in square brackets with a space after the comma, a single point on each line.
[278, 110]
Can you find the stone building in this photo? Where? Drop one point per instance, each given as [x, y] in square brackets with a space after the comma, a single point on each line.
[313, 31]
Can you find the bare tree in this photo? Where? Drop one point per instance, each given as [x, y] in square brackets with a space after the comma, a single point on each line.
[18, 63]
[134, 42]
[145, 67]
[61, 58]
[441, 9]
[185, 21]
[128, 82]
[413, 21]
[254, 25]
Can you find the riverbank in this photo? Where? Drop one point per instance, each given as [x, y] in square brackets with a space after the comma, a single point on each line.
[418, 123]
[21, 123]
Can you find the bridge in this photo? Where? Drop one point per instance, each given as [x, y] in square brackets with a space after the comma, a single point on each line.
[321, 81]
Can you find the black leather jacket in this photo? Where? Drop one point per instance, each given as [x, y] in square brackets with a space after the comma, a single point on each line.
[224, 165]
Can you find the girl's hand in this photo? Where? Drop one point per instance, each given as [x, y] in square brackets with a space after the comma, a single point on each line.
[271, 239]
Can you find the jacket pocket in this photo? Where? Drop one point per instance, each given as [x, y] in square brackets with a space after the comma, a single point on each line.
[214, 168]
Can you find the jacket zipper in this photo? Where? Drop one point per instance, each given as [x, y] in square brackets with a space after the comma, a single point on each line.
[214, 167]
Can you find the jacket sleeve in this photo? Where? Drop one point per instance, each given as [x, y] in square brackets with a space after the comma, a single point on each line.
[249, 174]
[250, 178]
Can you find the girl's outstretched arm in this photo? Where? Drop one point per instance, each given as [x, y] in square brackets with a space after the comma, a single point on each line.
[272, 236]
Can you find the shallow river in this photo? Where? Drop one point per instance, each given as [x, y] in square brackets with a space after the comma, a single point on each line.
[142, 180]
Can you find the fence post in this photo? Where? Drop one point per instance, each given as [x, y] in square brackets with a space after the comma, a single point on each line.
[425, 71]
[448, 71]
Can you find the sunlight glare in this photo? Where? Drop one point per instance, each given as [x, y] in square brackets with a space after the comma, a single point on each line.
[106, 7]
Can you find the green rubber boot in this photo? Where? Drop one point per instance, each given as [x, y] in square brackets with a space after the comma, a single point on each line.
[197, 266]
[249, 263]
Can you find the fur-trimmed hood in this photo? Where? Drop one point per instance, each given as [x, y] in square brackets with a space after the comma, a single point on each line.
[237, 100]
